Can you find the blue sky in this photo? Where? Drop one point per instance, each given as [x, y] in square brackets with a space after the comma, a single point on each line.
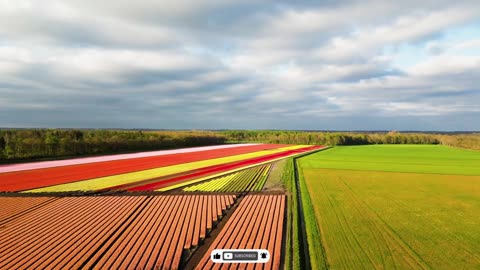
[348, 65]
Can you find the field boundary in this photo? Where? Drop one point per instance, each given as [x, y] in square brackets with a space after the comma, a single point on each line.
[304, 203]
[293, 248]
[303, 244]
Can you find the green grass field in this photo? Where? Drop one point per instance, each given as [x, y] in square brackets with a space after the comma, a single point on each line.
[395, 206]
[398, 158]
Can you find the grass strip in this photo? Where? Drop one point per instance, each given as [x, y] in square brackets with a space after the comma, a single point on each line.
[292, 247]
[316, 251]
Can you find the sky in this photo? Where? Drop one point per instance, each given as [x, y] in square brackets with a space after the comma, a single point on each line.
[216, 64]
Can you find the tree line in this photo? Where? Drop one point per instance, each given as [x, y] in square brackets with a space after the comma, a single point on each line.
[471, 141]
[23, 144]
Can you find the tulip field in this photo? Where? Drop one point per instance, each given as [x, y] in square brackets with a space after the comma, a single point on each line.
[140, 174]
[251, 179]
[73, 175]
[148, 210]
[110, 232]
[267, 214]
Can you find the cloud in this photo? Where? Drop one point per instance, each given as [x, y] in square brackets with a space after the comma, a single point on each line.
[239, 64]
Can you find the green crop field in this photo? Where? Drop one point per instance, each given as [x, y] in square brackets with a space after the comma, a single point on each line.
[395, 206]
[398, 158]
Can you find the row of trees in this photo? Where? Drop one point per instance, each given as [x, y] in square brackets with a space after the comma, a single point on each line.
[20, 144]
[46, 143]
[471, 141]
[331, 138]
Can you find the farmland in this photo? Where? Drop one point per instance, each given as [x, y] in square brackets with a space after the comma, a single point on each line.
[363, 207]
[68, 172]
[405, 207]
[251, 179]
[148, 210]
[265, 232]
[398, 158]
[120, 180]
[142, 172]
[111, 231]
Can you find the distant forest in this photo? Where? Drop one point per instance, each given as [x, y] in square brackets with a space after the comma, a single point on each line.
[470, 140]
[23, 144]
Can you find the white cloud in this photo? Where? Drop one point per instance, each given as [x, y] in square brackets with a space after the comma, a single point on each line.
[250, 61]
[405, 29]
[446, 65]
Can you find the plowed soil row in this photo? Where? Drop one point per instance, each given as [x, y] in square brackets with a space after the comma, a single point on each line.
[127, 232]
[31, 179]
[11, 207]
[257, 223]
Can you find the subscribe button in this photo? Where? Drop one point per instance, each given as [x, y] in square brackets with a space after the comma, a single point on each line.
[240, 256]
